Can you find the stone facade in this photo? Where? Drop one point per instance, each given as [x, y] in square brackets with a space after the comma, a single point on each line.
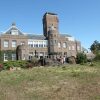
[58, 45]
[52, 44]
[49, 19]
[13, 41]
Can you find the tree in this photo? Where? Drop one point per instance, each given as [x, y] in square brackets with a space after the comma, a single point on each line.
[81, 58]
[95, 47]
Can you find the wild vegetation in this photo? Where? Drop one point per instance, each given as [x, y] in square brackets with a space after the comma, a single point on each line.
[66, 82]
[95, 48]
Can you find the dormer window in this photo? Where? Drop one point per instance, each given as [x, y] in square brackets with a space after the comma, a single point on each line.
[14, 32]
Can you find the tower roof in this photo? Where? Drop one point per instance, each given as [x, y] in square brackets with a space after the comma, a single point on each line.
[50, 13]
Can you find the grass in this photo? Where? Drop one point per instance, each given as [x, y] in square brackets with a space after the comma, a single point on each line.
[68, 82]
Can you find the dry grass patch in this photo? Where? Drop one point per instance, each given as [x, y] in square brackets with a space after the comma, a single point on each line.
[71, 82]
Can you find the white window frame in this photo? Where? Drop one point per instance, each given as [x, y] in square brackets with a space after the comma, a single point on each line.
[14, 43]
[6, 43]
[14, 32]
[5, 57]
[13, 57]
[69, 47]
[64, 45]
[59, 45]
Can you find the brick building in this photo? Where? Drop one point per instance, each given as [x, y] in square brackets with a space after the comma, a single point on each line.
[50, 44]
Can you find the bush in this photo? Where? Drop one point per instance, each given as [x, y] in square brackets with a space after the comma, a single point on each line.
[7, 65]
[92, 64]
[22, 64]
[81, 58]
[71, 60]
[29, 65]
[97, 58]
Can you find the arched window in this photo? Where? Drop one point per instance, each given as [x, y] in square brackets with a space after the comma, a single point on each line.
[69, 47]
[64, 45]
[73, 48]
[59, 45]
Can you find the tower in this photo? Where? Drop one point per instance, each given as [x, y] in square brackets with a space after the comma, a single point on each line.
[49, 19]
[53, 37]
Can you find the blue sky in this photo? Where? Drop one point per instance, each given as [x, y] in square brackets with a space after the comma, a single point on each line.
[79, 18]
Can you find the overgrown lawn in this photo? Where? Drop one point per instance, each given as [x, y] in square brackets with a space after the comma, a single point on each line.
[68, 82]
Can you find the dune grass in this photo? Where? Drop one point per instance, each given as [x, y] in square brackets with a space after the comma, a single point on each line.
[68, 82]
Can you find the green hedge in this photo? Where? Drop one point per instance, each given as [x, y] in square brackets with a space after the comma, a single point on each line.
[21, 64]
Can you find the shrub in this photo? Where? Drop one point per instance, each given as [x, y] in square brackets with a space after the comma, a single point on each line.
[92, 64]
[7, 65]
[81, 58]
[22, 64]
[29, 65]
[64, 67]
[97, 57]
[71, 60]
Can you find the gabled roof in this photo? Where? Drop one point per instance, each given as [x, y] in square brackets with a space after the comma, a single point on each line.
[13, 28]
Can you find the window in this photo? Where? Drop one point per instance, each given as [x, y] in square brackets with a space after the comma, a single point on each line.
[73, 48]
[78, 48]
[45, 44]
[59, 45]
[22, 43]
[35, 43]
[65, 53]
[55, 41]
[30, 57]
[69, 48]
[51, 42]
[40, 45]
[14, 44]
[31, 53]
[64, 45]
[5, 57]
[41, 54]
[30, 43]
[13, 57]
[14, 32]
[6, 43]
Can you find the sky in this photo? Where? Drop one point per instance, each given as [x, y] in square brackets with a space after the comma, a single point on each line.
[78, 18]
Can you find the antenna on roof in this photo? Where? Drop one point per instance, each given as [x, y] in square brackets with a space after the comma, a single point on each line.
[13, 24]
